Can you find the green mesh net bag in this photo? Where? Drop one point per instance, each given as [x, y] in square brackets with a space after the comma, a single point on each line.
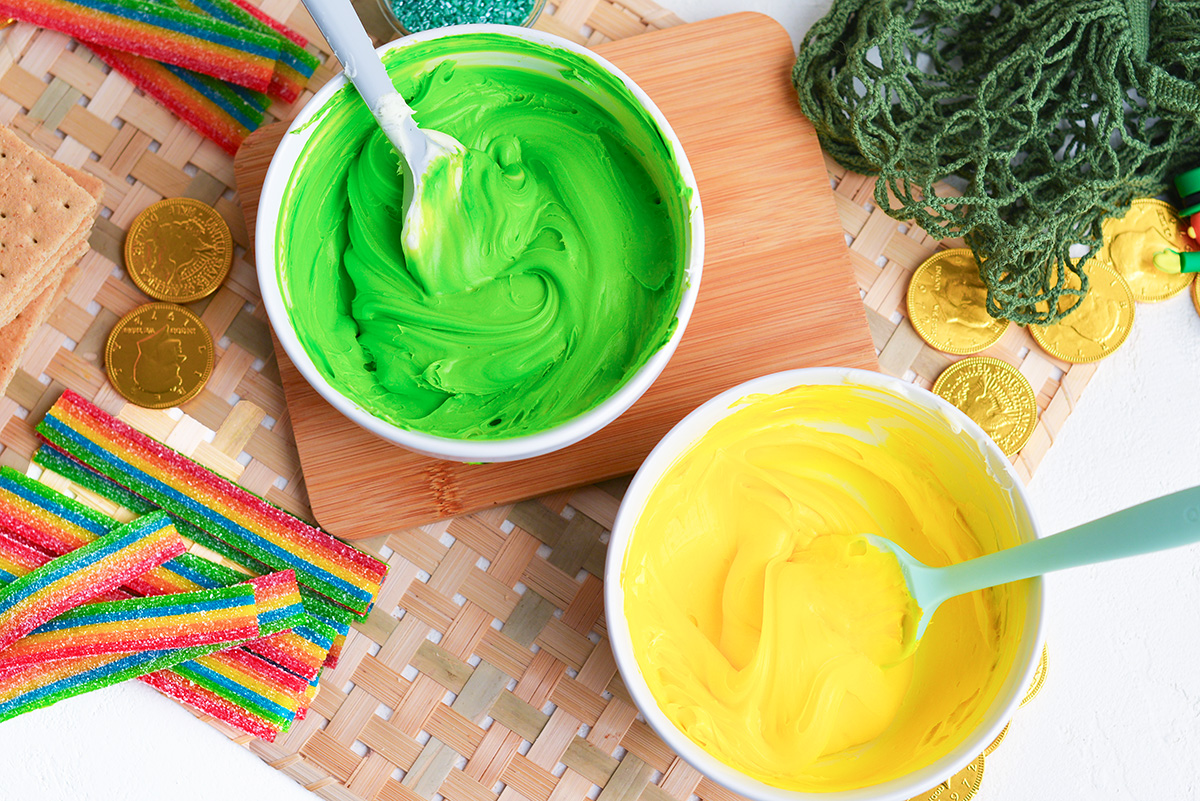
[1050, 115]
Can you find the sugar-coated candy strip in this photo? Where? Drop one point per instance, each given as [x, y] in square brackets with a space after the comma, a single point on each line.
[278, 603]
[184, 488]
[52, 500]
[55, 460]
[160, 32]
[17, 559]
[299, 651]
[34, 686]
[323, 625]
[210, 106]
[295, 65]
[100, 566]
[173, 685]
[274, 23]
[183, 620]
[39, 685]
[245, 683]
[30, 521]
[50, 526]
[43, 517]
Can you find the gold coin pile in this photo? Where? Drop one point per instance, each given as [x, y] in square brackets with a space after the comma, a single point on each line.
[178, 250]
[159, 355]
[947, 307]
[995, 395]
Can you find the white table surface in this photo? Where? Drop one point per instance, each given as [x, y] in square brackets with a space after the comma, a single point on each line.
[1119, 716]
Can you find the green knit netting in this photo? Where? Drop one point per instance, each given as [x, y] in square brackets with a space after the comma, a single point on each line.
[1053, 115]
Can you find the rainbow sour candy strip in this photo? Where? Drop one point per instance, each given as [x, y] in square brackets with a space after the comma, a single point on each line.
[182, 620]
[17, 559]
[34, 686]
[221, 508]
[161, 32]
[303, 650]
[297, 641]
[210, 106]
[184, 690]
[38, 515]
[246, 690]
[295, 65]
[39, 685]
[100, 566]
[266, 691]
[278, 26]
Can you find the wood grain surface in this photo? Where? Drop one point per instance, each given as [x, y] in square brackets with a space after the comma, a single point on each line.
[777, 291]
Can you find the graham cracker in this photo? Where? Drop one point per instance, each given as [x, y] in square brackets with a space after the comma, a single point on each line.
[49, 273]
[44, 292]
[42, 209]
[16, 336]
[44, 275]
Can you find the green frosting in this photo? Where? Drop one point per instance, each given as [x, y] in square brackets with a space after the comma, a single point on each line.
[582, 227]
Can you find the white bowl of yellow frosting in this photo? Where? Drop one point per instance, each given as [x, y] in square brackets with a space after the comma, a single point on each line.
[744, 633]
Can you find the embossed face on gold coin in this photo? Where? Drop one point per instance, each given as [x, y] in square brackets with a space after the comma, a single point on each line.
[947, 304]
[995, 395]
[1100, 324]
[159, 355]
[178, 250]
[1130, 243]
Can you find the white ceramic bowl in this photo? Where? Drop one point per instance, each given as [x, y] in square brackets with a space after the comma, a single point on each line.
[676, 442]
[465, 450]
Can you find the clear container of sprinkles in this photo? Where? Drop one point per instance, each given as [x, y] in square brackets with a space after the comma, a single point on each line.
[410, 16]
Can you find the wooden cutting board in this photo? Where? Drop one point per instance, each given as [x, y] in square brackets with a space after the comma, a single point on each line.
[777, 291]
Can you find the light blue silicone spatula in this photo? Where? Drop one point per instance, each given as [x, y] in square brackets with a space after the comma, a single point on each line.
[1157, 525]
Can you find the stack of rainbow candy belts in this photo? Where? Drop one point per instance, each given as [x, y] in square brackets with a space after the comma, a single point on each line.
[86, 601]
[217, 64]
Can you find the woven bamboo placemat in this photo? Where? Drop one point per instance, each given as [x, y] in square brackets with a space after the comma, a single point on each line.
[484, 672]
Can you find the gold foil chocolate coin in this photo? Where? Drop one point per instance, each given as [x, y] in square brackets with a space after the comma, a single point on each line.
[995, 395]
[962, 786]
[1130, 243]
[1099, 325]
[947, 304]
[178, 250]
[1196, 295]
[999, 739]
[159, 355]
[1039, 678]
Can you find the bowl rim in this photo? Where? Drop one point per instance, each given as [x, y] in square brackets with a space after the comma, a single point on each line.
[520, 447]
[667, 451]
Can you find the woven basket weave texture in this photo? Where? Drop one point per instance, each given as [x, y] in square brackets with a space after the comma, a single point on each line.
[484, 671]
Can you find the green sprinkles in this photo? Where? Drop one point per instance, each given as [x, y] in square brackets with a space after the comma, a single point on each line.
[421, 15]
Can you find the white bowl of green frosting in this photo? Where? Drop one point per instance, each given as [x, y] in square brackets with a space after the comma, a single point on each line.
[599, 211]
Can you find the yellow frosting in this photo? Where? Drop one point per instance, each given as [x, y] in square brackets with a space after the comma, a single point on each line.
[771, 635]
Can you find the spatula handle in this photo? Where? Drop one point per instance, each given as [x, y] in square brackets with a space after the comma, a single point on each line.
[1167, 522]
[341, 27]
